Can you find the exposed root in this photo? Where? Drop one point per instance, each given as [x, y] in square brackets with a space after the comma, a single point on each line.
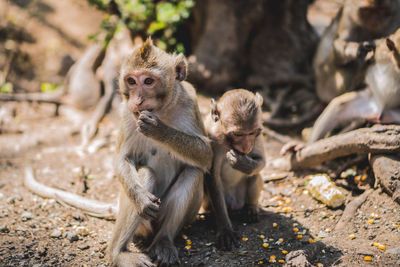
[91, 207]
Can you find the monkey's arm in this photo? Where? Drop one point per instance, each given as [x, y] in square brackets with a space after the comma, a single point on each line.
[194, 149]
[346, 52]
[226, 237]
[145, 203]
[250, 164]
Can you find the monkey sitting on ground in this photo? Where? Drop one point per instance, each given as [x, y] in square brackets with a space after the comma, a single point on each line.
[378, 103]
[346, 48]
[234, 183]
[162, 156]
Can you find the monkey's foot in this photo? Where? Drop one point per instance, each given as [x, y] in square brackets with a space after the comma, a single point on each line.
[125, 259]
[164, 253]
[250, 213]
[227, 239]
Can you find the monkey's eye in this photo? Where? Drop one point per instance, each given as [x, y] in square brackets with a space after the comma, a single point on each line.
[131, 81]
[148, 81]
[237, 134]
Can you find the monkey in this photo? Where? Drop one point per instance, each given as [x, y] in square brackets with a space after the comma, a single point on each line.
[163, 154]
[346, 47]
[379, 102]
[234, 127]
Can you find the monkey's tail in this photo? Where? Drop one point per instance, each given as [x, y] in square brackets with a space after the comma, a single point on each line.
[91, 207]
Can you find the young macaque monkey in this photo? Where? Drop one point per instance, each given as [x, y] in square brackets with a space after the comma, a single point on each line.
[162, 156]
[378, 103]
[234, 183]
[346, 48]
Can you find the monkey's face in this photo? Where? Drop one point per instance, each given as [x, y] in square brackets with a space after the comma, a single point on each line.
[243, 140]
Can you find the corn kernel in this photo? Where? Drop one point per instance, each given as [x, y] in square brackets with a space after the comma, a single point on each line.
[376, 244]
[244, 239]
[294, 224]
[272, 260]
[285, 252]
[280, 184]
[280, 204]
[396, 225]
[278, 208]
[320, 264]
[265, 245]
[281, 261]
[363, 177]
[61, 229]
[352, 236]
[262, 236]
[310, 240]
[184, 236]
[295, 229]
[288, 202]
[287, 209]
[188, 242]
[274, 225]
[260, 262]
[368, 258]
[272, 257]
[281, 240]
[299, 236]
[188, 247]
[370, 221]
[381, 246]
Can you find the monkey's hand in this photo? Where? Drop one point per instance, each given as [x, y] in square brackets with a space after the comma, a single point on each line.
[147, 204]
[150, 125]
[366, 50]
[227, 239]
[241, 162]
[250, 213]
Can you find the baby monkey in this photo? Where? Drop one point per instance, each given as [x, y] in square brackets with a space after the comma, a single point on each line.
[234, 183]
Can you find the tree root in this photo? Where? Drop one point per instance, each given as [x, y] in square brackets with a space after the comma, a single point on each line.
[379, 139]
[351, 209]
[91, 207]
[52, 98]
[387, 171]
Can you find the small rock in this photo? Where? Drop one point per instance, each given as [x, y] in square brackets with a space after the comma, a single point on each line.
[83, 246]
[20, 229]
[56, 233]
[4, 229]
[81, 230]
[1, 195]
[37, 265]
[26, 216]
[72, 237]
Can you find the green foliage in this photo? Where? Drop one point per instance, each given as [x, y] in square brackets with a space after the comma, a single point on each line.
[48, 87]
[159, 19]
[6, 88]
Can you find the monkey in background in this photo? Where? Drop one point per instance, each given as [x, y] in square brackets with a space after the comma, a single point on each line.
[346, 48]
[379, 102]
[162, 156]
[234, 183]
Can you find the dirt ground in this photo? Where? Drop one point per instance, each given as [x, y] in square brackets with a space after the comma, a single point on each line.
[42, 232]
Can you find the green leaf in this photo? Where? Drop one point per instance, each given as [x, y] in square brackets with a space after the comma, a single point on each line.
[156, 26]
[7, 88]
[48, 87]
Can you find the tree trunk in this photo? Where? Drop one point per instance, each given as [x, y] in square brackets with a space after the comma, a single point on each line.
[250, 43]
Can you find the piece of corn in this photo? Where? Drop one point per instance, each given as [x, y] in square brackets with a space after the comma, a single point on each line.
[320, 264]
[376, 244]
[310, 240]
[262, 236]
[281, 261]
[272, 257]
[265, 245]
[260, 262]
[188, 247]
[285, 252]
[368, 258]
[299, 236]
[188, 242]
[281, 240]
[370, 221]
[381, 246]
[244, 239]
[184, 236]
[287, 209]
[396, 225]
[274, 225]
[295, 229]
[352, 236]
[322, 188]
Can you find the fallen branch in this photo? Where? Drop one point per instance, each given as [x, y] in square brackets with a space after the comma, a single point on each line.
[91, 207]
[387, 171]
[52, 98]
[379, 139]
[350, 210]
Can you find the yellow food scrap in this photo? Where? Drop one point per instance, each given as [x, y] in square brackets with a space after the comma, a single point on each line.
[352, 236]
[184, 236]
[274, 225]
[299, 236]
[288, 202]
[285, 252]
[381, 246]
[265, 245]
[281, 240]
[260, 262]
[368, 258]
[61, 229]
[281, 261]
[376, 244]
[320, 264]
[370, 221]
[244, 239]
[262, 236]
[272, 257]
[287, 209]
[188, 242]
[310, 240]
[396, 225]
[322, 188]
[188, 247]
[295, 229]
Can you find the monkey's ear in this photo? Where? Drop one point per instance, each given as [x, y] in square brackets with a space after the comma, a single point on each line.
[180, 67]
[214, 110]
[259, 99]
[390, 44]
[146, 48]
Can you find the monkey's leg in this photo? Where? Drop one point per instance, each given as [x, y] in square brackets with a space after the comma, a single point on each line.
[344, 108]
[390, 116]
[254, 187]
[126, 224]
[180, 205]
